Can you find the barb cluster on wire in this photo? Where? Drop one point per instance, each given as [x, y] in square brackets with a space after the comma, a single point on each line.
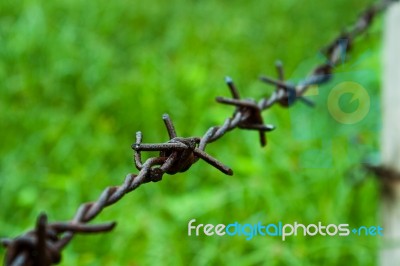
[43, 245]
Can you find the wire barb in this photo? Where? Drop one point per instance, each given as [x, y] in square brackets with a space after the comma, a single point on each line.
[176, 155]
[44, 244]
[248, 111]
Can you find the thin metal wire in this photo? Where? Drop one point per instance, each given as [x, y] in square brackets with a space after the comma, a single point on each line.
[44, 244]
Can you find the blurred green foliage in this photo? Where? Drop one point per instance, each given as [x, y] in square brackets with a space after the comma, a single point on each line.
[79, 78]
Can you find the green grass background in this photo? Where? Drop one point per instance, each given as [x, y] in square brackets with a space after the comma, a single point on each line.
[79, 78]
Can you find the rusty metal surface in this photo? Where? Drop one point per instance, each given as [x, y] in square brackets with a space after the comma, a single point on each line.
[44, 244]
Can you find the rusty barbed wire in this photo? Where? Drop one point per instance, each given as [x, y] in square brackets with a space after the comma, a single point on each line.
[44, 244]
[388, 178]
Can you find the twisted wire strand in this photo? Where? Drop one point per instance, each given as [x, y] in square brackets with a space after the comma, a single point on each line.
[44, 244]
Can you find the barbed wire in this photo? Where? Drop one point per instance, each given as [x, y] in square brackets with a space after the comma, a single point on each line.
[44, 244]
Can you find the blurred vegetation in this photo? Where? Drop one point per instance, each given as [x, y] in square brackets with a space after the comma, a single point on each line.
[79, 78]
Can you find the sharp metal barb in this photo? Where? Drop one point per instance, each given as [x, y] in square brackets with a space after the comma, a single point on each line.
[232, 87]
[278, 83]
[44, 244]
[41, 256]
[137, 154]
[279, 69]
[170, 126]
[307, 101]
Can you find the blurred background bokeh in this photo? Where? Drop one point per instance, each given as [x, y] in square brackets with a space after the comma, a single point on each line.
[79, 78]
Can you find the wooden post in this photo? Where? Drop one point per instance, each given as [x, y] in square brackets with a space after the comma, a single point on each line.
[390, 138]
